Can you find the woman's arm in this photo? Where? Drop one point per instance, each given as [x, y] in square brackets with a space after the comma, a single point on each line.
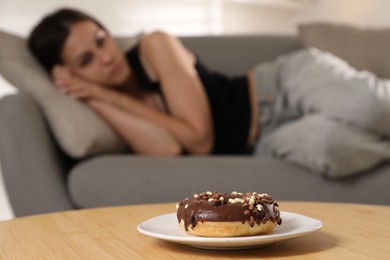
[190, 120]
[174, 68]
[142, 136]
[177, 127]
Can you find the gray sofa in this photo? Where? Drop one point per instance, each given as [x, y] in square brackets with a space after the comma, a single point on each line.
[40, 177]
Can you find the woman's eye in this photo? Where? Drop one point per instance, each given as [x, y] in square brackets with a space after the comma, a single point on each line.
[100, 42]
[87, 59]
[101, 39]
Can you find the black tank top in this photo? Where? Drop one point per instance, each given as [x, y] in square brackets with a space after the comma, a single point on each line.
[228, 98]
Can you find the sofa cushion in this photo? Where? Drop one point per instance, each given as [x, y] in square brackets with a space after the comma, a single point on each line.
[106, 180]
[79, 131]
[363, 48]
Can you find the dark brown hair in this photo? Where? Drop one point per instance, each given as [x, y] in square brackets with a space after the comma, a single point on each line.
[47, 39]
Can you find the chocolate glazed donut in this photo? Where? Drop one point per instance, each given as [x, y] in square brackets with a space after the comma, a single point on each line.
[223, 215]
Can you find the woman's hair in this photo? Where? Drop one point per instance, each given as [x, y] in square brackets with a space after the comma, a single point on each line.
[48, 37]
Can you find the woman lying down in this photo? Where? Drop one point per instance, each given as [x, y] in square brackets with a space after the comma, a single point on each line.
[309, 107]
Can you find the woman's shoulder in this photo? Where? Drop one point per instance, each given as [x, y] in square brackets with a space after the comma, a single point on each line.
[156, 35]
[128, 43]
[163, 45]
[156, 39]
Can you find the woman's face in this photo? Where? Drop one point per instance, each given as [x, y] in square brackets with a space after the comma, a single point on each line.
[91, 53]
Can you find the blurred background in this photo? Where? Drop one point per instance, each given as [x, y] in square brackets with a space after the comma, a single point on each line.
[194, 17]
[199, 17]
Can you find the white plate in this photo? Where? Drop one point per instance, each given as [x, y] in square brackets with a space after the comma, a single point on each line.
[166, 227]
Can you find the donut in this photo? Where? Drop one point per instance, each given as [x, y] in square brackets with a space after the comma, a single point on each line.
[214, 214]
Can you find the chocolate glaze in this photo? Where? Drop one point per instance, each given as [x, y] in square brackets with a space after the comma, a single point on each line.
[222, 207]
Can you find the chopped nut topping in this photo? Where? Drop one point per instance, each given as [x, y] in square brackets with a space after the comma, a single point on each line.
[236, 200]
[186, 206]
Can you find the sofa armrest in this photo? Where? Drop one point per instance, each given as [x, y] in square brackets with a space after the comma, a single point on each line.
[33, 171]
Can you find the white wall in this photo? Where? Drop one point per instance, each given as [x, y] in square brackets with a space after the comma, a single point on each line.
[5, 209]
[365, 13]
[183, 17]
[262, 16]
[252, 17]
[120, 16]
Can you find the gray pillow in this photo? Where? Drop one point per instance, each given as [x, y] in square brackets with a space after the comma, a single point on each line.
[79, 131]
[363, 48]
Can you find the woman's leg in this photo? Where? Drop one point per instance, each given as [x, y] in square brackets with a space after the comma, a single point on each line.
[325, 146]
[315, 81]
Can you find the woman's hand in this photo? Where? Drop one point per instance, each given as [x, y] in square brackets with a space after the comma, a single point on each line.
[74, 86]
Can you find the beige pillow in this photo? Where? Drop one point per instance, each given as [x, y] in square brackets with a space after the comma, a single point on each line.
[363, 48]
[78, 130]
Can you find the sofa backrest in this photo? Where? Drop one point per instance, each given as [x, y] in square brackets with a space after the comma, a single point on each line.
[238, 54]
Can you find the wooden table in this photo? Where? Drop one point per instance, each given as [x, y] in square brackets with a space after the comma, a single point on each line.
[351, 231]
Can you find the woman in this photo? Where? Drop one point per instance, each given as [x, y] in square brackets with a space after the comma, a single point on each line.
[158, 107]
[162, 100]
